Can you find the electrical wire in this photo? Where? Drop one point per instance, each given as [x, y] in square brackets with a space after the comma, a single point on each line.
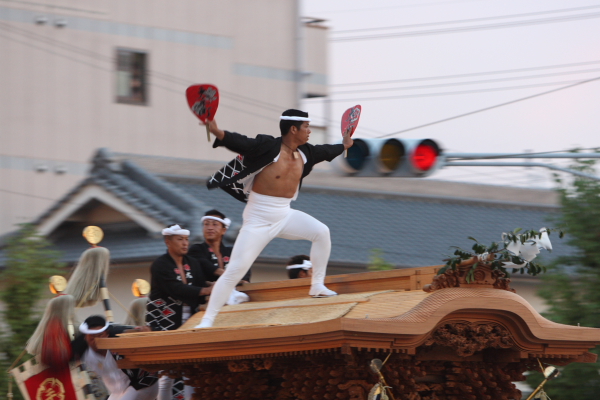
[421, 4]
[456, 92]
[513, 78]
[492, 107]
[438, 77]
[468, 28]
[462, 21]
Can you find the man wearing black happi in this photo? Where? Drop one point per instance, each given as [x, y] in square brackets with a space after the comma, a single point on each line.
[213, 250]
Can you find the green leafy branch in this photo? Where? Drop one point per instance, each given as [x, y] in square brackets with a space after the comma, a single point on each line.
[497, 254]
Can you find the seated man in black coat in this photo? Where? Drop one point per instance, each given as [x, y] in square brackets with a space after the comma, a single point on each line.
[178, 287]
[213, 250]
[177, 284]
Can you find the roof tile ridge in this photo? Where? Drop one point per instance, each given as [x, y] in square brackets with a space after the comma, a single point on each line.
[117, 182]
[189, 209]
[160, 187]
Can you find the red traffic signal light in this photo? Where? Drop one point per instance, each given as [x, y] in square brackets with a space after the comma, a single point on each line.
[425, 155]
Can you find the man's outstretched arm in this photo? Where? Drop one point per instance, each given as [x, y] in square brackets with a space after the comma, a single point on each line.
[233, 141]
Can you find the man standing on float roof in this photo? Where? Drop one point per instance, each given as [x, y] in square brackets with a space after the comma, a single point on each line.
[267, 174]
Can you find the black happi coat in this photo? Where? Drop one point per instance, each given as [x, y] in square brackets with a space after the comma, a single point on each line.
[256, 153]
[168, 293]
[202, 251]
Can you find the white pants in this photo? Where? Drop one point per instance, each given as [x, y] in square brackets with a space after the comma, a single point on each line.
[165, 389]
[265, 218]
[130, 393]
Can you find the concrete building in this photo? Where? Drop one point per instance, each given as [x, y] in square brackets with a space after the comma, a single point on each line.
[79, 75]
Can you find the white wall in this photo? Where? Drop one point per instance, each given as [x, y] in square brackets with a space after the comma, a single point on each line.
[57, 103]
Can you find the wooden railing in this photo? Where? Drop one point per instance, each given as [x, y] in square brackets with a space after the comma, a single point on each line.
[397, 279]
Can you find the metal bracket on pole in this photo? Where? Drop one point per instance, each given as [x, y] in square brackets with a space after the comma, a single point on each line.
[452, 160]
[488, 156]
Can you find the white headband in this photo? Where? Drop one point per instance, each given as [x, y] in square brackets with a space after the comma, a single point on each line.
[225, 221]
[286, 118]
[83, 328]
[306, 265]
[175, 230]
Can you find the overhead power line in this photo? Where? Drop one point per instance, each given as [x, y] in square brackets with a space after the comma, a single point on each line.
[513, 78]
[440, 77]
[420, 4]
[502, 25]
[492, 107]
[453, 93]
[462, 21]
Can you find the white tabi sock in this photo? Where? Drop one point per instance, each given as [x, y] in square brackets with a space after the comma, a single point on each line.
[320, 290]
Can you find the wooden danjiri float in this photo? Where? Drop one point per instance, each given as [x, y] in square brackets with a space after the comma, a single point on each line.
[440, 337]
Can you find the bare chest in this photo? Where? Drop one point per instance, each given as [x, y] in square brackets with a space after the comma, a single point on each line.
[286, 172]
[285, 168]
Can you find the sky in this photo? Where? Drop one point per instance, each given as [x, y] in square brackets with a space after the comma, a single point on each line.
[399, 59]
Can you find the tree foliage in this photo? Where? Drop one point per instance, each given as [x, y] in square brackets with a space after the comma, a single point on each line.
[29, 263]
[377, 262]
[572, 286]
[497, 254]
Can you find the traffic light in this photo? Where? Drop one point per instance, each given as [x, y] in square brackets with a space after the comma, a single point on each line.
[391, 157]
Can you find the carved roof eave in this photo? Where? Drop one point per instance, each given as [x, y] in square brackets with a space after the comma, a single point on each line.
[533, 335]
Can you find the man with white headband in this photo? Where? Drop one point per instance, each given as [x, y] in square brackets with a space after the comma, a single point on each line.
[123, 384]
[299, 267]
[177, 288]
[267, 174]
[213, 250]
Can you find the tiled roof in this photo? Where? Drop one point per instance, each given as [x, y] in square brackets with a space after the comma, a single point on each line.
[414, 229]
[409, 231]
[149, 194]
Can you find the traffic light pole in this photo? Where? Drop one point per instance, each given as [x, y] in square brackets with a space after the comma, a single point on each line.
[454, 160]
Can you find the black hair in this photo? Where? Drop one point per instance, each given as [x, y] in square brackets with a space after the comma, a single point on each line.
[293, 273]
[95, 321]
[214, 213]
[285, 125]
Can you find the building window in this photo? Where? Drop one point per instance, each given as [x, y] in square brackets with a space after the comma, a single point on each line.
[132, 85]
